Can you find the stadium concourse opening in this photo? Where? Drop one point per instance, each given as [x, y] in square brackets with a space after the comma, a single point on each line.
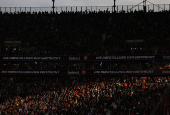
[85, 60]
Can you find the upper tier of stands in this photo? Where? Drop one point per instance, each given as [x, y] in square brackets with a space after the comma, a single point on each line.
[85, 33]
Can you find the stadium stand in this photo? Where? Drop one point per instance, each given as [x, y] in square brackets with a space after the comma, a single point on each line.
[84, 34]
[91, 33]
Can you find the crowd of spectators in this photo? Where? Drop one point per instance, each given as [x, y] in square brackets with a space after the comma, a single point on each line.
[82, 33]
[164, 107]
[141, 102]
[91, 95]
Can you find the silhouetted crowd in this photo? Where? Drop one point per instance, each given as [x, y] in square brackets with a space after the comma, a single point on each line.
[163, 108]
[85, 33]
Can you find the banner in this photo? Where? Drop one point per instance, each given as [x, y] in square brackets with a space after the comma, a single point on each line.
[86, 72]
[81, 58]
[79, 72]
